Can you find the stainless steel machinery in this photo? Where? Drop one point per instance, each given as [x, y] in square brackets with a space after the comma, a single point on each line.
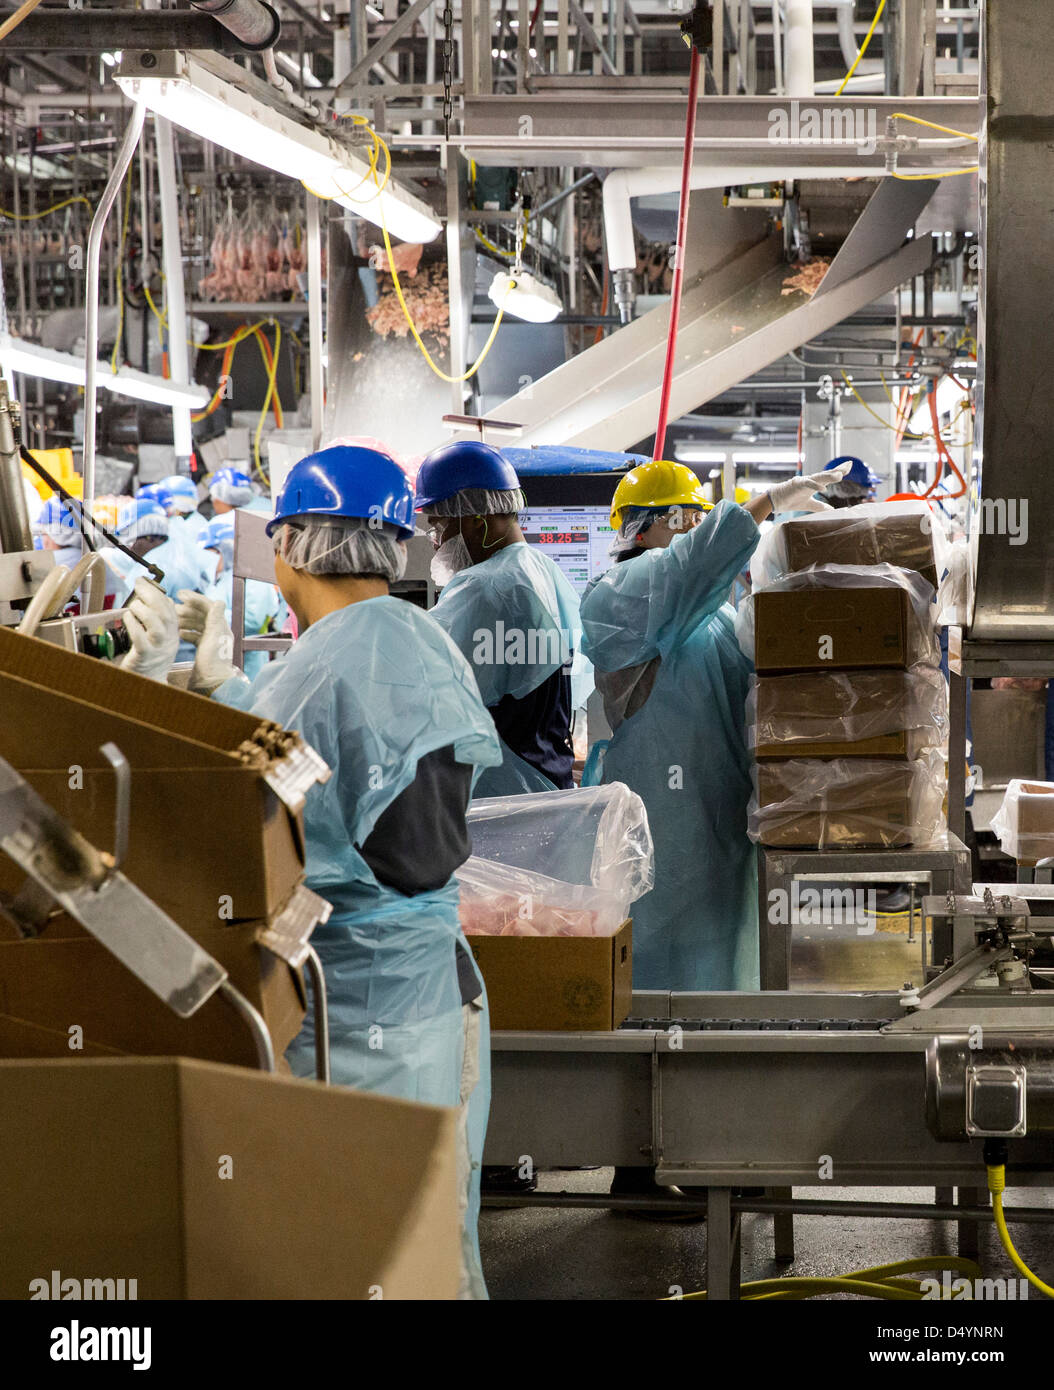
[776, 1089]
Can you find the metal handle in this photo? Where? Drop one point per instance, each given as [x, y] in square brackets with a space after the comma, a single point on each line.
[257, 1026]
[122, 810]
[318, 990]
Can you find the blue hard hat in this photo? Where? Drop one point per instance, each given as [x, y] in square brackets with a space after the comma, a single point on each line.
[142, 518]
[859, 473]
[232, 486]
[177, 489]
[150, 492]
[464, 463]
[347, 481]
[55, 520]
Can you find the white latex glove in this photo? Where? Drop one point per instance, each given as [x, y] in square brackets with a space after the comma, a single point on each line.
[213, 664]
[154, 629]
[192, 610]
[797, 494]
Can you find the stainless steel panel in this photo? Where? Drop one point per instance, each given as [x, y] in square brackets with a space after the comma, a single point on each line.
[1015, 583]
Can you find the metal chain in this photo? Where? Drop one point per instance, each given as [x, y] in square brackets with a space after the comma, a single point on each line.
[448, 67]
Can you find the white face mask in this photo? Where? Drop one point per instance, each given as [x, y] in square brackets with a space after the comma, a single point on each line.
[451, 558]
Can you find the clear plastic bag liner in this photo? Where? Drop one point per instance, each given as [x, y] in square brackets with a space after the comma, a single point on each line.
[848, 803]
[847, 706]
[919, 593]
[502, 900]
[595, 837]
[905, 534]
[1024, 822]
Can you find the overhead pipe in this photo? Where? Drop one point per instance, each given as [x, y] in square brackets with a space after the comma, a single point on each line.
[93, 261]
[253, 23]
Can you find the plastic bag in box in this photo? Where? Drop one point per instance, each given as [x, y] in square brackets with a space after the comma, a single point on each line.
[590, 836]
[1024, 822]
[908, 535]
[501, 900]
[836, 707]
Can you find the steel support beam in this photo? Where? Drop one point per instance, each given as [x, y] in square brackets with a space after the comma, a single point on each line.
[401, 27]
[637, 125]
[102, 31]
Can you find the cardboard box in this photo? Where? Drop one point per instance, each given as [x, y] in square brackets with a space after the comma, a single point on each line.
[845, 537]
[198, 788]
[838, 629]
[568, 984]
[1029, 811]
[811, 715]
[65, 979]
[835, 805]
[201, 1181]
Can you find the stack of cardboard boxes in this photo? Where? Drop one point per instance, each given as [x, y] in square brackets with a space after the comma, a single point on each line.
[138, 1164]
[211, 841]
[848, 708]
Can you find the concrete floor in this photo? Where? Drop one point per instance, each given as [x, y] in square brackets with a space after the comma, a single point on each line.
[595, 1254]
[590, 1254]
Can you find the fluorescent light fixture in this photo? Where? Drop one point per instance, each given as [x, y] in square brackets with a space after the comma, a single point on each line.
[690, 453]
[521, 295]
[33, 360]
[194, 95]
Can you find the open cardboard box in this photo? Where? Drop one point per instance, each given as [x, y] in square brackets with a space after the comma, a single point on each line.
[205, 822]
[204, 1181]
[562, 983]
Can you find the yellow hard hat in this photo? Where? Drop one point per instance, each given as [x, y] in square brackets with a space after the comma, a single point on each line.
[742, 496]
[658, 484]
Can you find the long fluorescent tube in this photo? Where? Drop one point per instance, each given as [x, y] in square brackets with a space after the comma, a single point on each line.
[33, 360]
[180, 87]
[521, 295]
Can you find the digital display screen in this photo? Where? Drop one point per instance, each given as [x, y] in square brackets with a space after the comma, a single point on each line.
[578, 539]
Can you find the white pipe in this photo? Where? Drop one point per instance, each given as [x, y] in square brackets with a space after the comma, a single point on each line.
[175, 303]
[314, 304]
[799, 67]
[92, 264]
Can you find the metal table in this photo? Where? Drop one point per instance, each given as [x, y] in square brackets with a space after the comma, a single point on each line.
[943, 866]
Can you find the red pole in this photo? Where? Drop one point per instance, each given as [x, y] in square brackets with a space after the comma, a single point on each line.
[678, 269]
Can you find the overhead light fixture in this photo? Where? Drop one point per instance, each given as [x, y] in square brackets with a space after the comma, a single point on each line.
[33, 360]
[525, 297]
[202, 97]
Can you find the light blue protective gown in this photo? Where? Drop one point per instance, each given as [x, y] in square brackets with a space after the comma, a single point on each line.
[188, 525]
[262, 601]
[662, 617]
[373, 687]
[515, 591]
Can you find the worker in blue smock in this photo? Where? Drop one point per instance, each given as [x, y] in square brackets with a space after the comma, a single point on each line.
[387, 700]
[265, 609]
[509, 609]
[56, 529]
[659, 632]
[231, 490]
[179, 497]
[145, 528]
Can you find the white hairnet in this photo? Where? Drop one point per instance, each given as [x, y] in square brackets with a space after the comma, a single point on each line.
[144, 526]
[231, 493]
[853, 492]
[479, 501]
[348, 545]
